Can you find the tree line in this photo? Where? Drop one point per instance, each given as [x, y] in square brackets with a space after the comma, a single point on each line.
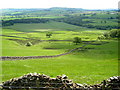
[31, 20]
[79, 21]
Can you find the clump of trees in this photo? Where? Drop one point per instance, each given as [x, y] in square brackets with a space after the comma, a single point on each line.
[7, 23]
[49, 34]
[77, 40]
[115, 33]
[111, 34]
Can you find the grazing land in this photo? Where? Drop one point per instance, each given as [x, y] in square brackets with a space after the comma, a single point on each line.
[97, 61]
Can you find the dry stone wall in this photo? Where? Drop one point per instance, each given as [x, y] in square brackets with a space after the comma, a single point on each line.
[33, 81]
[36, 57]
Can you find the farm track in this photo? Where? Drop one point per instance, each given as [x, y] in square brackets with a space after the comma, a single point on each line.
[3, 58]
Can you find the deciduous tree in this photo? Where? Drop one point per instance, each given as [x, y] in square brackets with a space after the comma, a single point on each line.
[77, 40]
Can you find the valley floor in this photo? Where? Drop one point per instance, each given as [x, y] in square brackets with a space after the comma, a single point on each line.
[92, 64]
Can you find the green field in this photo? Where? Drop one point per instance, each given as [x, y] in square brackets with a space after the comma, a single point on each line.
[91, 65]
[54, 26]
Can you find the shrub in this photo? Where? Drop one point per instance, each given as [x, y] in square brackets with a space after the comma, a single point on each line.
[49, 34]
[28, 44]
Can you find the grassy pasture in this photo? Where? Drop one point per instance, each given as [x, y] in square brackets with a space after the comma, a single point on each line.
[102, 22]
[84, 70]
[104, 15]
[25, 17]
[89, 66]
[43, 27]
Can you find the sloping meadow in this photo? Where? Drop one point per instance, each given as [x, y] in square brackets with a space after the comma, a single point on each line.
[95, 62]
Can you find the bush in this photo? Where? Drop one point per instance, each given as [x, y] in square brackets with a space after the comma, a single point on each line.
[28, 44]
[49, 34]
